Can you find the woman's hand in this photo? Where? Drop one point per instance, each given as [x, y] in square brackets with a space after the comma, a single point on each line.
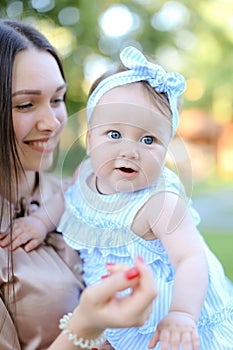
[101, 307]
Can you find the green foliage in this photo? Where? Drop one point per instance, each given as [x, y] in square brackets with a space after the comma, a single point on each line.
[221, 244]
[200, 46]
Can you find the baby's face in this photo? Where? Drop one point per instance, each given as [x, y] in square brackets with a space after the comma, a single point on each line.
[127, 140]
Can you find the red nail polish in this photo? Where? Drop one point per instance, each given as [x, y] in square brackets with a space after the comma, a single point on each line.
[104, 276]
[110, 264]
[132, 273]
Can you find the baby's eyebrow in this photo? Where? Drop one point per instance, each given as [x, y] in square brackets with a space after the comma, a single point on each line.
[63, 86]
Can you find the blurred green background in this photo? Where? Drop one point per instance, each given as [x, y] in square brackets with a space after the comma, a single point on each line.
[194, 38]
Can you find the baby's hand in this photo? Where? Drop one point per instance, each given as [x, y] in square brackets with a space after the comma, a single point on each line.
[28, 231]
[174, 330]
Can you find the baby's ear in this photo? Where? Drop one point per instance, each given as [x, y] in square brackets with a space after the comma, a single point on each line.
[88, 143]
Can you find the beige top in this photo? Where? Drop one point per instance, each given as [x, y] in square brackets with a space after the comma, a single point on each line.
[47, 285]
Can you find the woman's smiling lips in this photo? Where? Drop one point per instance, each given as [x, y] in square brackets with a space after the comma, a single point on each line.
[43, 145]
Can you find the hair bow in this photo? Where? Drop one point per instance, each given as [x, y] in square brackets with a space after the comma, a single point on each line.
[140, 69]
[171, 83]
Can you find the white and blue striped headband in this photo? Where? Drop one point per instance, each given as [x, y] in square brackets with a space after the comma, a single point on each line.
[139, 69]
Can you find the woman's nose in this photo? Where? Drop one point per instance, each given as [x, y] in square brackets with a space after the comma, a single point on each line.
[48, 120]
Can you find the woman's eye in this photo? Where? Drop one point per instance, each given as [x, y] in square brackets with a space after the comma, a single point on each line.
[24, 106]
[113, 134]
[148, 140]
[58, 100]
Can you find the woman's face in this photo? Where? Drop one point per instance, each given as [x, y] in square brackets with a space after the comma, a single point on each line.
[38, 108]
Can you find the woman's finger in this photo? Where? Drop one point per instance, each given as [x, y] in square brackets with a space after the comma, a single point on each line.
[146, 285]
[113, 268]
[115, 282]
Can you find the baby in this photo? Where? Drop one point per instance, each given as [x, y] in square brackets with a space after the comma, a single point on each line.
[125, 202]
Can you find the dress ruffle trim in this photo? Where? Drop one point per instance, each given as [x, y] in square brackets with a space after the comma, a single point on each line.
[77, 234]
[209, 323]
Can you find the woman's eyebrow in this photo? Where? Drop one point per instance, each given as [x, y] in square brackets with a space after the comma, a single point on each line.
[36, 92]
[27, 92]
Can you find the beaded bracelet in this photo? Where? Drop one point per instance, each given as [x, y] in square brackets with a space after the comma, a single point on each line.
[77, 341]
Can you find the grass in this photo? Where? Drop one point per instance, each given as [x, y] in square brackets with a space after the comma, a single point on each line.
[222, 246]
[221, 243]
[213, 182]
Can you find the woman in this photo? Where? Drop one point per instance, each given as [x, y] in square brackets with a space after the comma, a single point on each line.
[39, 287]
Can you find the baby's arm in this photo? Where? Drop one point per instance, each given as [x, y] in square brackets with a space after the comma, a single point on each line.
[173, 225]
[30, 231]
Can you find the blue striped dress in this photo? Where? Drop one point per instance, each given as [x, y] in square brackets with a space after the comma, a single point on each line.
[99, 227]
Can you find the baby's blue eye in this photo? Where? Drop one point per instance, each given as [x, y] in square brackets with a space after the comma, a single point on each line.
[148, 140]
[114, 134]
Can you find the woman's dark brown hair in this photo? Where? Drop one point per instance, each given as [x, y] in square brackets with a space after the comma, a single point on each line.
[15, 36]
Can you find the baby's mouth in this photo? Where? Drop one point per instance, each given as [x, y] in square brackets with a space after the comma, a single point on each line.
[127, 170]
